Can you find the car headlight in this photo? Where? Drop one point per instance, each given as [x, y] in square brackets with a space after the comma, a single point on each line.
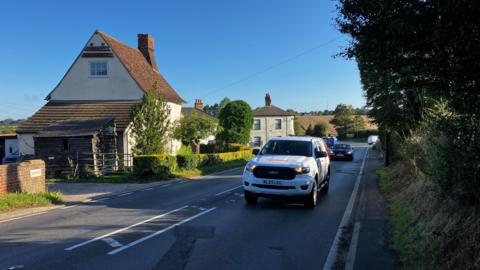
[302, 170]
[250, 166]
[349, 152]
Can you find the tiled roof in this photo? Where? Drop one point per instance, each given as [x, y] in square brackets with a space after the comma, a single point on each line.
[189, 111]
[270, 111]
[75, 128]
[140, 69]
[53, 112]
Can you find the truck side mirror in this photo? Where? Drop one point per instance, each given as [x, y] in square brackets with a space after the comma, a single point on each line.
[255, 151]
[320, 154]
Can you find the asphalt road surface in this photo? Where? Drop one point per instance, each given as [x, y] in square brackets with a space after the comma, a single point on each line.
[201, 224]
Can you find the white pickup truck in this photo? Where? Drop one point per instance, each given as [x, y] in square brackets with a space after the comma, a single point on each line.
[290, 166]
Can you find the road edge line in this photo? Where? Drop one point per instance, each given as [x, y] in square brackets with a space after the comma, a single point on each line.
[332, 254]
[352, 249]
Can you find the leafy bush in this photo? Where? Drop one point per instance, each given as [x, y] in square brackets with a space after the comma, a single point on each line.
[161, 165]
[188, 161]
[222, 148]
[236, 119]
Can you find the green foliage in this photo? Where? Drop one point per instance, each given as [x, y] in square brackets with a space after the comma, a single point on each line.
[309, 131]
[151, 125]
[12, 201]
[414, 247]
[297, 127]
[384, 175]
[344, 119]
[236, 119]
[188, 161]
[215, 109]
[221, 148]
[192, 129]
[160, 166]
[319, 130]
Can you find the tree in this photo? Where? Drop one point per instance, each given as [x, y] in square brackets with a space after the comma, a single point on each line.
[192, 129]
[214, 109]
[151, 124]
[343, 119]
[297, 128]
[236, 119]
[309, 131]
[320, 130]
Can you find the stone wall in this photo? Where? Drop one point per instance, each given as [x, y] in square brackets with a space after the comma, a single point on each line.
[27, 176]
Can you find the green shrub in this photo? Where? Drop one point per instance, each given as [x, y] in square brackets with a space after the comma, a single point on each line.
[188, 161]
[222, 148]
[154, 165]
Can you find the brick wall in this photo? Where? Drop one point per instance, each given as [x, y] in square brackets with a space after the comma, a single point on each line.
[27, 176]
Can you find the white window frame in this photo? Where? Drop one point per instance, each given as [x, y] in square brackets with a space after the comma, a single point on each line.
[278, 124]
[90, 63]
[255, 124]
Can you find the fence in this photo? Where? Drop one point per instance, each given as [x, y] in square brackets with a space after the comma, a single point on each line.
[87, 164]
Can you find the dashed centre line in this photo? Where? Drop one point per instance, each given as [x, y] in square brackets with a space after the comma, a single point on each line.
[226, 191]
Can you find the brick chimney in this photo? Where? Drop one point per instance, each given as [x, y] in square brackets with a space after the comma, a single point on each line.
[146, 45]
[198, 104]
[268, 100]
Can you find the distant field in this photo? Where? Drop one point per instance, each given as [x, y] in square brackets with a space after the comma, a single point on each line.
[306, 120]
[8, 129]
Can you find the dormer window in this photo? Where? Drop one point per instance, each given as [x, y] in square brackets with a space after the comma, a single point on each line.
[98, 69]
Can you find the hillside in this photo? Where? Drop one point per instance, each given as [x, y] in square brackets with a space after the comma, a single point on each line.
[306, 120]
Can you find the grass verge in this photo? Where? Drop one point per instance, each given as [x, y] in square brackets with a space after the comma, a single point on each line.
[182, 173]
[11, 201]
[409, 239]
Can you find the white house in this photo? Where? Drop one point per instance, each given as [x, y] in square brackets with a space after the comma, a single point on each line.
[106, 80]
[197, 111]
[270, 121]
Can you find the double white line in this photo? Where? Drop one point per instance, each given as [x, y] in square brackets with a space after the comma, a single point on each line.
[140, 223]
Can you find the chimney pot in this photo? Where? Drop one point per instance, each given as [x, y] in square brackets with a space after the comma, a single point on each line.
[198, 104]
[268, 100]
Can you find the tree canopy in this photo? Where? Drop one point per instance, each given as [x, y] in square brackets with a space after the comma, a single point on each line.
[192, 129]
[151, 123]
[236, 119]
[214, 109]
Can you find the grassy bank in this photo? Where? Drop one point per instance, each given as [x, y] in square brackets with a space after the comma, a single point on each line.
[182, 173]
[428, 231]
[11, 201]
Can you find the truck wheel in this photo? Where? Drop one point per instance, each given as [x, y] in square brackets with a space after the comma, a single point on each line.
[311, 199]
[249, 198]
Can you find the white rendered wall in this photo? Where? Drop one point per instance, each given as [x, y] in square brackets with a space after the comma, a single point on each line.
[79, 85]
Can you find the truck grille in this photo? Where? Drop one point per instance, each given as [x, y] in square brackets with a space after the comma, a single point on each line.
[274, 173]
[273, 187]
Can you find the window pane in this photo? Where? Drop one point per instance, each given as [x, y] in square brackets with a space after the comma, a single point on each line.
[92, 69]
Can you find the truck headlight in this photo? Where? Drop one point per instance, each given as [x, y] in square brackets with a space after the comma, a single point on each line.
[302, 170]
[250, 166]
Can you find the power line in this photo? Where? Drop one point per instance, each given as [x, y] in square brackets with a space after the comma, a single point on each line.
[289, 59]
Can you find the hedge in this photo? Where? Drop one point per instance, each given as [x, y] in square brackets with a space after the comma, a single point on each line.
[189, 161]
[164, 165]
[161, 165]
[220, 148]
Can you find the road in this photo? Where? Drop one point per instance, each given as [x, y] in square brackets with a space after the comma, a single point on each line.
[202, 224]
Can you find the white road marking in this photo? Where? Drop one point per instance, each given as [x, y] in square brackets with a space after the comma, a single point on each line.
[125, 194]
[228, 190]
[35, 214]
[332, 254]
[123, 229]
[147, 189]
[112, 242]
[136, 242]
[352, 250]
[166, 185]
[101, 200]
[183, 181]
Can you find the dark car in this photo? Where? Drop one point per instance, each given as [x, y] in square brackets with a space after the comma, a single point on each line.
[343, 151]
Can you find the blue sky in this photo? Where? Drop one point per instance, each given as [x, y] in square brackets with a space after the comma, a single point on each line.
[206, 49]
